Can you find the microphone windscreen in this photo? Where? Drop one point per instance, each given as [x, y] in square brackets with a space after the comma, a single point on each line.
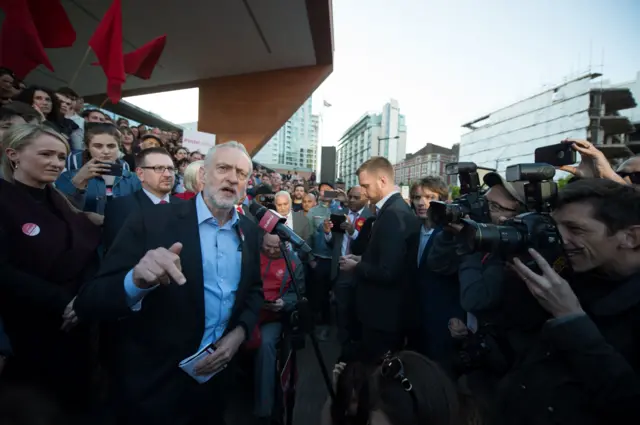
[269, 220]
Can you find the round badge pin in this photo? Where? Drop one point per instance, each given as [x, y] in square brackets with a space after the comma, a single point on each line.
[31, 229]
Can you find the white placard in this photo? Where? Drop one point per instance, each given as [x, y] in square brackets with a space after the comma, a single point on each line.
[404, 190]
[198, 141]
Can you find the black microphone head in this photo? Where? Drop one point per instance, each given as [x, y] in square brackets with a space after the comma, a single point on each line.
[257, 210]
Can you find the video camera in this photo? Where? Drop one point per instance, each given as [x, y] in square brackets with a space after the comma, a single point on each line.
[471, 202]
[535, 229]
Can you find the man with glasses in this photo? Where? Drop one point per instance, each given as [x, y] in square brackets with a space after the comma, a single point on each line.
[157, 173]
[480, 275]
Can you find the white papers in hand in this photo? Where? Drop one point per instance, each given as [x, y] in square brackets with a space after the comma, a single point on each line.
[188, 365]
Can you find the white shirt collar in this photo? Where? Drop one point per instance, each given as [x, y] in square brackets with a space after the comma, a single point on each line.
[382, 201]
[155, 199]
[359, 213]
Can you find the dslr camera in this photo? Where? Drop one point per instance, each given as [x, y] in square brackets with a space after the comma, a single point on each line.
[471, 201]
[535, 229]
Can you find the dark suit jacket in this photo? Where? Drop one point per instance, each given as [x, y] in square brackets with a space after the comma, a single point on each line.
[359, 245]
[387, 267]
[301, 225]
[117, 211]
[437, 301]
[337, 239]
[149, 344]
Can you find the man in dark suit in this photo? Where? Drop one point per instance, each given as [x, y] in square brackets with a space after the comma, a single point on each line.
[383, 273]
[156, 172]
[341, 242]
[437, 295]
[180, 281]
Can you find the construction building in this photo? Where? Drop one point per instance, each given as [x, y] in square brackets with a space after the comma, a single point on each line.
[583, 108]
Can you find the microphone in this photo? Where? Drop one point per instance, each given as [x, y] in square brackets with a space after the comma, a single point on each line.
[272, 222]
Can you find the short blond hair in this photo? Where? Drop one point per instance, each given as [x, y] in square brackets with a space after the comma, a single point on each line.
[191, 176]
[377, 164]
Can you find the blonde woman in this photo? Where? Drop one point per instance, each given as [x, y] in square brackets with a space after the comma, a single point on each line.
[192, 181]
[47, 249]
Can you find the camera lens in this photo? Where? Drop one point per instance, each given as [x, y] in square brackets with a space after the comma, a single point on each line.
[441, 213]
[491, 238]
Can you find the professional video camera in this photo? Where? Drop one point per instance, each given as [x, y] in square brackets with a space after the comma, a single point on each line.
[535, 230]
[471, 202]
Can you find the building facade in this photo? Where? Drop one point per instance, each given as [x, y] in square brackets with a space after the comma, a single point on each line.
[295, 145]
[581, 108]
[428, 161]
[374, 134]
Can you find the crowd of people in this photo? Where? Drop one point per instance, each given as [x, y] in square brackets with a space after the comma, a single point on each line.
[133, 274]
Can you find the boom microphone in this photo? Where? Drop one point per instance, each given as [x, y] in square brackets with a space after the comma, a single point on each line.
[272, 222]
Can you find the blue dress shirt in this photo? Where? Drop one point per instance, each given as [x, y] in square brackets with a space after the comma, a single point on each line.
[425, 234]
[221, 265]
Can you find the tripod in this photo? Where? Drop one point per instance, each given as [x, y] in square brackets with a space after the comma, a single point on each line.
[302, 319]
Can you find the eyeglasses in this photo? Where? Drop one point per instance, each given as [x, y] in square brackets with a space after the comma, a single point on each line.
[160, 169]
[634, 177]
[497, 208]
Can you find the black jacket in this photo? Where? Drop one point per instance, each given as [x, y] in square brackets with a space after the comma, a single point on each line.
[387, 267]
[149, 344]
[118, 210]
[583, 369]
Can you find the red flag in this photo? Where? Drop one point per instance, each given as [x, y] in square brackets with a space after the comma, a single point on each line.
[106, 42]
[143, 60]
[52, 23]
[20, 47]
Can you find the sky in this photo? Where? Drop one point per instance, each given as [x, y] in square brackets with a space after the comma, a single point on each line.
[450, 62]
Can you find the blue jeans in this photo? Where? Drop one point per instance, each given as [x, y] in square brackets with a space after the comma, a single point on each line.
[265, 369]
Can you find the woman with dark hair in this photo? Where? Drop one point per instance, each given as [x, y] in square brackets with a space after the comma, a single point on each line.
[351, 405]
[47, 103]
[409, 389]
[128, 145]
[97, 172]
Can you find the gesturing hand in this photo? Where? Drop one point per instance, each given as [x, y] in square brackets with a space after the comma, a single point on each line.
[593, 162]
[347, 263]
[226, 348]
[276, 306]
[552, 292]
[159, 267]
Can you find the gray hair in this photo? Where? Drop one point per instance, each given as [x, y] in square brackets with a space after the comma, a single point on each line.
[232, 144]
[283, 193]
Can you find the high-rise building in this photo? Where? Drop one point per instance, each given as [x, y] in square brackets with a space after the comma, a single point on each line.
[581, 108]
[295, 145]
[428, 161]
[374, 134]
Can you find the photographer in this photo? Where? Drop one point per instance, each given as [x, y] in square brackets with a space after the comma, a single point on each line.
[480, 274]
[583, 366]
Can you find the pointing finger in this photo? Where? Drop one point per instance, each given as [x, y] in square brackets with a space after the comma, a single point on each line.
[176, 248]
[174, 273]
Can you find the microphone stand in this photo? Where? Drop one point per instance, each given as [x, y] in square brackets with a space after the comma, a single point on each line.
[302, 319]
